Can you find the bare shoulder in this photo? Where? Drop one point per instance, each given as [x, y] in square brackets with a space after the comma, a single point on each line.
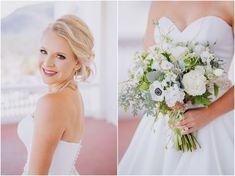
[228, 11]
[51, 102]
[158, 9]
[229, 6]
[51, 109]
[226, 7]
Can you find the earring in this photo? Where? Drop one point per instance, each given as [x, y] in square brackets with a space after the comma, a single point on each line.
[76, 75]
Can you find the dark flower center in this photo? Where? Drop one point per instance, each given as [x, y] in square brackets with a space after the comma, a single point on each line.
[158, 91]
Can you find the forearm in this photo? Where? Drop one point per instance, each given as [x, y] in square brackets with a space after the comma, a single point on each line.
[37, 168]
[221, 106]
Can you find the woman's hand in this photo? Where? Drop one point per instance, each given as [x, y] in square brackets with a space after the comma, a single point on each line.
[197, 118]
[194, 120]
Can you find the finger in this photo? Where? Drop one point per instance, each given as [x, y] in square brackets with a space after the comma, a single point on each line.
[187, 126]
[190, 130]
[185, 121]
[190, 124]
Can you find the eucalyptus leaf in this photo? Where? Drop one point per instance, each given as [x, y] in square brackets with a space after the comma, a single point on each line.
[152, 76]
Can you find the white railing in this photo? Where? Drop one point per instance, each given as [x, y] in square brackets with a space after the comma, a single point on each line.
[20, 101]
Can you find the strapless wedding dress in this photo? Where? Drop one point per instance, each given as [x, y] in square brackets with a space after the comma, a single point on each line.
[147, 153]
[64, 157]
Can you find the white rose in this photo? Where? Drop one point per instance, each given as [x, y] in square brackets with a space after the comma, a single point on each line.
[165, 65]
[157, 92]
[218, 72]
[174, 94]
[194, 83]
[178, 51]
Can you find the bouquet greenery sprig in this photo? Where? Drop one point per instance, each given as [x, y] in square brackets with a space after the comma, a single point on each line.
[168, 74]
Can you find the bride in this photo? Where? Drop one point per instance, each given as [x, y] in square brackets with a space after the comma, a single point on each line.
[53, 134]
[201, 21]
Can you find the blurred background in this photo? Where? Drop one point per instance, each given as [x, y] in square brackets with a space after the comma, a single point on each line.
[132, 23]
[22, 23]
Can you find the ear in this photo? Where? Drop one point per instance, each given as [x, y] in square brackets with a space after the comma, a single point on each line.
[78, 65]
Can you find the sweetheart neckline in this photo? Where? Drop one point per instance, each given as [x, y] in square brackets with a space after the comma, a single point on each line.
[194, 21]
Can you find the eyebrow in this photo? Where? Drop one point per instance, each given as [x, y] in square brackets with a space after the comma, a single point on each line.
[60, 53]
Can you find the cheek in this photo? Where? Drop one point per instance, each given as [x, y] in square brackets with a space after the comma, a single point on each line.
[65, 67]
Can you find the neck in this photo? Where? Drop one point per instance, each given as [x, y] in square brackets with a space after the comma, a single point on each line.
[60, 86]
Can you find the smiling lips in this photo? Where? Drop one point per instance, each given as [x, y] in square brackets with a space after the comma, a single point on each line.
[49, 72]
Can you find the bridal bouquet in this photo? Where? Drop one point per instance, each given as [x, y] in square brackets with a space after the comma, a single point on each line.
[169, 77]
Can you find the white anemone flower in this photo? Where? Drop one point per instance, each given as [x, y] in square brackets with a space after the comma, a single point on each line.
[157, 92]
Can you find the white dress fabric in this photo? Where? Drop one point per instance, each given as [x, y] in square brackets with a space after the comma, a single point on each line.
[147, 153]
[65, 155]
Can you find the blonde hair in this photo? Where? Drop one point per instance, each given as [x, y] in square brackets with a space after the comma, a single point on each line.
[79, 37]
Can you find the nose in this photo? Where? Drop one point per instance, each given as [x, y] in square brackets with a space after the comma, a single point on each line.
[49, 61]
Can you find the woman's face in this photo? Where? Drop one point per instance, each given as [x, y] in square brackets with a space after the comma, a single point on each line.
[56, 61]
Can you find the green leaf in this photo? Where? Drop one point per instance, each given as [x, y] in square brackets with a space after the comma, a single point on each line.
[149, 69]
[201, 99]
[160, 78]
[125, 109]
[151, 62]
[167, 56]
[191, 62]
[144, 55]
[216, 89]
[163, 108]
[145, 79]
[144, 86]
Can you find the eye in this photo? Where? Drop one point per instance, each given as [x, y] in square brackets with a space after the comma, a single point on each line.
[42, 51]
[61, 57]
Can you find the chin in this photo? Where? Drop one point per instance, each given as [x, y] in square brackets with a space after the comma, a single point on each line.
[48, 80]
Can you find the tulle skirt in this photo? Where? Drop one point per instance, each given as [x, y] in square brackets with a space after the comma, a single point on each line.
[151, 151]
